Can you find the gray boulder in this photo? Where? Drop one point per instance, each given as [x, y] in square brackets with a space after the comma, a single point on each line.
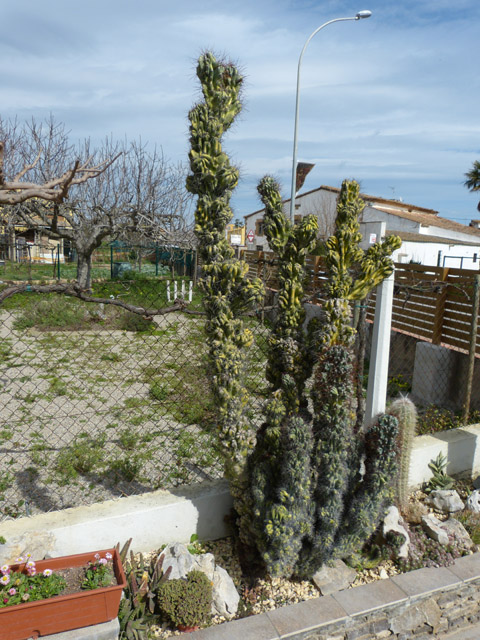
[473, 501]
[393, 522]
[334, 578]
[456, 530]
[446, 500]
[446, 531]
[431, 526]
[38, 543]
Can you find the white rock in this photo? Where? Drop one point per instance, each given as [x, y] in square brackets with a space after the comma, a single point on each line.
[456, 529]
[383, 574]
[473, 501]
[431, 526]
[446, 500]
[38, 543]
[225, 595]
[178, 557]
[393, 522]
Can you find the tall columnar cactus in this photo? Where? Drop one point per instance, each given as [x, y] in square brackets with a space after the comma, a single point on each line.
[301, 497]
[305, 472]
[280, 467]
[405, 412]
[226, 288]
[337, 449]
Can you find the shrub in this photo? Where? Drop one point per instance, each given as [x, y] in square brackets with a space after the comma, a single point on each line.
[134, 322]
[186, 603]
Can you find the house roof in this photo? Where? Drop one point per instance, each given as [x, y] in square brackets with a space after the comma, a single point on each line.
[408, 236]
[421, 215]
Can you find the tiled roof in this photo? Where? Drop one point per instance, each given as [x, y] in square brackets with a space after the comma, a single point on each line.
[421, 237]
[428, 220]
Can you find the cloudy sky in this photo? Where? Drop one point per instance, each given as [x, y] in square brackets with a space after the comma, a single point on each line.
[392, 101]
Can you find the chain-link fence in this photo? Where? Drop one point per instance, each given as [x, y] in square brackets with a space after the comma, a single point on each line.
[24, 259]
[99, 402]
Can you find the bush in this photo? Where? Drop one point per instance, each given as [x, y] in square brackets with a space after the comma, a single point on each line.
[134, 322]
[186, 603]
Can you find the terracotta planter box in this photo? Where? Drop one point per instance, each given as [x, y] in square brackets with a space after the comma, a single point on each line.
[63, 613]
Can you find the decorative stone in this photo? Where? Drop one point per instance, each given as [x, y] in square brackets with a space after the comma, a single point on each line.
[431, 526]
[446, 500]
[473, 501]
[456, 529]
[443, 532]
[38, 543]
[393, 523]
[224, 593]
[415, 616]
[334, 578]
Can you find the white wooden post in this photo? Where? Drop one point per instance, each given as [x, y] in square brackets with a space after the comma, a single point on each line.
[183, 289]
[168, 291]
[380, 353]
[175, 290]
[190, 291]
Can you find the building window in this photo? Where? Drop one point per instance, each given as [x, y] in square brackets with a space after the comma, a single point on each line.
[297, 218]
[259, 227]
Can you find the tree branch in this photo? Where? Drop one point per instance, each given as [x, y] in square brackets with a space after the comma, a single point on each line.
[73, 290]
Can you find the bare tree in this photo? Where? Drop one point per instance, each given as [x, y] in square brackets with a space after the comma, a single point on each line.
[36, 162]
[130, 197]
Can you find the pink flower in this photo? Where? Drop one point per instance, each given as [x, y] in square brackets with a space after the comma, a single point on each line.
[5, 580]
[12, 591]
[5, 569]
[103, 561]
[108, 555]
[97, 556]
[5, 600]
[19, 559]
[47, 573]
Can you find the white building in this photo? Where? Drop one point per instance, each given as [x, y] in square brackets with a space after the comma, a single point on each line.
[426, 237]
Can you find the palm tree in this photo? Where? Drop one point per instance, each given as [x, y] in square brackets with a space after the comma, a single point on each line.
[473, 179]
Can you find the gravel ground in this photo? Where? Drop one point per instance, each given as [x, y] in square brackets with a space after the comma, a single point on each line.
[272, 594]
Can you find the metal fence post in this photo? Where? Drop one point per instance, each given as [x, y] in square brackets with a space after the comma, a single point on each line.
[472, 348]
[380, 352]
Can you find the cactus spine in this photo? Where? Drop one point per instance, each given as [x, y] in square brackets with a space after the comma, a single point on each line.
[406, 414]
[226, 288]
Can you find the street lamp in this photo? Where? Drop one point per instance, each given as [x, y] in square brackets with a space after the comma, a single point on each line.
[359, 16]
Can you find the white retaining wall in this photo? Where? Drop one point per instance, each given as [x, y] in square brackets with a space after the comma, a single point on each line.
[461, 447]
[156, 518]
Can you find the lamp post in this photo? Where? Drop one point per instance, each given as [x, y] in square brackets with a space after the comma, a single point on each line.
[359, 16]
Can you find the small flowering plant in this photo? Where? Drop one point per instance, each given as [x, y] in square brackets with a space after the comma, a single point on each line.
[99, 573]
[26, 585]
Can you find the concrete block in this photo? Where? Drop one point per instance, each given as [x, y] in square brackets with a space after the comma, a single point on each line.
[105, 631]
[255, 627]
[461, 447]
[306, 615]
[151, 519]
[433, 372]
[370, 597]
[424, 581]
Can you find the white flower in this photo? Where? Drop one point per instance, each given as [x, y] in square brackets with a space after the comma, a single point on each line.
[4, 580]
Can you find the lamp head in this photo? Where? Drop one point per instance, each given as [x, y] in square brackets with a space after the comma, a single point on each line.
[363, 14]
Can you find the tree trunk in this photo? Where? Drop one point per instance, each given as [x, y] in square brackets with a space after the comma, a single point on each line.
[84, 269]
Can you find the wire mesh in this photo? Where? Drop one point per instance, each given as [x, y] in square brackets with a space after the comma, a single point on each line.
[99, 402]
